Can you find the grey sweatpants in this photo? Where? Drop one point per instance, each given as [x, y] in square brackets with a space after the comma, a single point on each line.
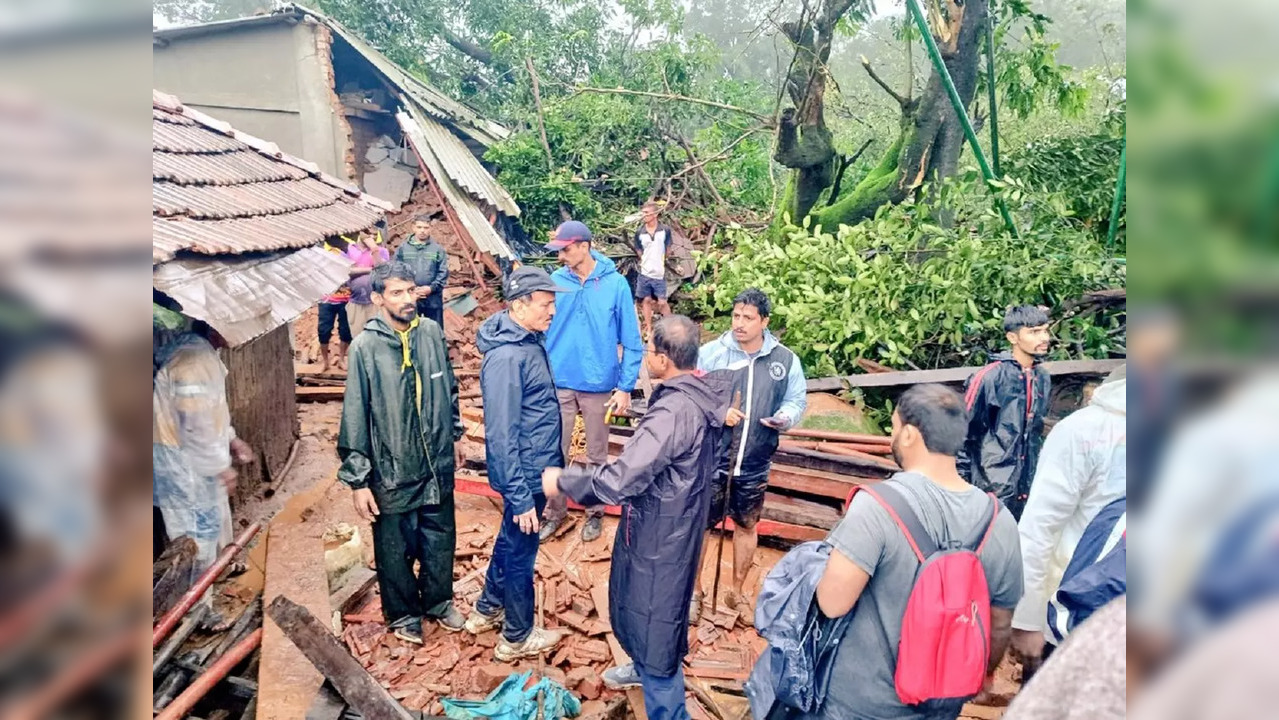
[592, 408]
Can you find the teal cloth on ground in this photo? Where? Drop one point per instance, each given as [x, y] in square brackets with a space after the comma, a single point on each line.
[510, 701]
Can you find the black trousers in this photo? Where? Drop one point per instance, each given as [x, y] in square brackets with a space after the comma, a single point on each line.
[329, 314]
[428, 536]
[432, 308]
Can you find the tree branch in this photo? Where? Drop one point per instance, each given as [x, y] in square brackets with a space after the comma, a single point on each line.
[719, 155]
[578, 89]
[537, 101]
[466, 47]
[903, 102]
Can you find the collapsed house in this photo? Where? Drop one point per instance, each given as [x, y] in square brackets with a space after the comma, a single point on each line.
[237, 226]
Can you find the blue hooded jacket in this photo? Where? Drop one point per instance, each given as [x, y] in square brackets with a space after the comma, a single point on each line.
[521, 412]
[589, 324]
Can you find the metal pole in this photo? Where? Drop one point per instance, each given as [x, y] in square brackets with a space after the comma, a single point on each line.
[202, 584]
[1119, 197]
[940, 66]
[200, 687]
[990, 88]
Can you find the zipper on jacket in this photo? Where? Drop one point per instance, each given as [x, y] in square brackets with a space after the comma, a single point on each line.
[981, 627]
[421, 421]
[746, 427]
[1025, 429]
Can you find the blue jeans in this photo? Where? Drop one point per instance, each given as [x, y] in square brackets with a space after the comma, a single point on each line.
[509, 583]
[664, 696]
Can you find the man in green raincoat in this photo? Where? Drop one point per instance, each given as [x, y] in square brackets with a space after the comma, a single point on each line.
[400, 420]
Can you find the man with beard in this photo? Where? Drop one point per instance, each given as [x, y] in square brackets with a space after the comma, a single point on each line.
[873, 564]
[1006, 403]
[400, 420]
[430, 264]
[662, 481]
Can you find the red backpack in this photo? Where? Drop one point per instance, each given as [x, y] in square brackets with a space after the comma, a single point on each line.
[945, 638]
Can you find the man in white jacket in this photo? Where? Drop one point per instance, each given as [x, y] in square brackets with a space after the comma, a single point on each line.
[1073, 481]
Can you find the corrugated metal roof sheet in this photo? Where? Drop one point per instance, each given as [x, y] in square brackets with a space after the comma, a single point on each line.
[218, 191]
[461, 165]
[243, 298]
[470, 215]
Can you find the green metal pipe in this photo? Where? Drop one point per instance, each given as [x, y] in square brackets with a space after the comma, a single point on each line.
[1119, 197]
[940, 66]
[990, 89]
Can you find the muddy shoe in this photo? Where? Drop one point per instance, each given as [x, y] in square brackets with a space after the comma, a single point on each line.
[695, 608]
[452, 621]
[410, 631]
[745, 610]
[592, 529]
[537, 642]
[479, 623]
[548, 529]
[622, 677]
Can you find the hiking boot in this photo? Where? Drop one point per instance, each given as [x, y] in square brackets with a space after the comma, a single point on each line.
[745, 609]
[537, 642]
[479, 623]
[548, 529]
[592, 529]
[622, 677]
[451, 621]
[410, 631]
[695, 608]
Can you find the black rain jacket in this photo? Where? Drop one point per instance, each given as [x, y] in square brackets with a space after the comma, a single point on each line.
[1005, 429]
[400, 416]
[521, 411]
[662, 480]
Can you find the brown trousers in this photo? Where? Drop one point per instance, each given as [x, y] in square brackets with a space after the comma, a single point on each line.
[591, 406]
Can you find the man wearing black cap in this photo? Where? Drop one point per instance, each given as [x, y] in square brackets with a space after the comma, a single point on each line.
[521, 439]
[593, 318]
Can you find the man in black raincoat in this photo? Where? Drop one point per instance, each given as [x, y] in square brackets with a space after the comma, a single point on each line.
[1006, 402]
[662, 481]
[521, 439]
[400, 420]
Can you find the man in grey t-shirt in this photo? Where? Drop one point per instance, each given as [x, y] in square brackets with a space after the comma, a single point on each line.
[872, 568]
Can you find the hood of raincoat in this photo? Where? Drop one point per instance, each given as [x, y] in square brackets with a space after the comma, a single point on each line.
[590, 322]
[1111, 396]
[522, 429]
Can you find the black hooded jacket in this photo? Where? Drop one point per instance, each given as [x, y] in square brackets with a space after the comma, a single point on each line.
[521, 412]
[1005, 431]
[662, 480]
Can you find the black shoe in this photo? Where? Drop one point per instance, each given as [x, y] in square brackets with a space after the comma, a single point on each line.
[410, 631]
[592, 529]
[548, 529]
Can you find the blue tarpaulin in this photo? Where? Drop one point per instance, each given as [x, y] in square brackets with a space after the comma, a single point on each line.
[510, 701]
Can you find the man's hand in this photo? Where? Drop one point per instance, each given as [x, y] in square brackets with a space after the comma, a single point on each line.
[365, 505]
[733, 417]
[227, 478]
[241, 453]
[621, 402]
[459, 457]
[420, 292]
[1028, 644]
[528, 522]
[551, 482]
[776, 422]
[426, 290]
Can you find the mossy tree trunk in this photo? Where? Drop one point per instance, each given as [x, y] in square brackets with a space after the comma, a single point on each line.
[930, 137]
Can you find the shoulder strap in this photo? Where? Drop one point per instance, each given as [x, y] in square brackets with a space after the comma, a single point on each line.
[892, 500]
[983, 534]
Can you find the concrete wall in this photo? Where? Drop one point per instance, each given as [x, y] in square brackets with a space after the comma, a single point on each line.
[265, 80]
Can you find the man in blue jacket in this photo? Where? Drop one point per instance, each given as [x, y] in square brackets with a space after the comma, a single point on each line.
[591, 321]
[521, 439]
[430, 265]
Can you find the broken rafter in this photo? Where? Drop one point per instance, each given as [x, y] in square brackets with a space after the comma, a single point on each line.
[765, 119]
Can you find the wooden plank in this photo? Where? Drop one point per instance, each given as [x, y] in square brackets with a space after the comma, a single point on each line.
[320, 393]
[358, 688]
[815, 482]
[952, 375]
[171, 575]
[294, 568]
[784, 508]
[846, 465]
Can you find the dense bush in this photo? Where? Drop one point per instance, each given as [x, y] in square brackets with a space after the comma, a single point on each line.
[902, 290]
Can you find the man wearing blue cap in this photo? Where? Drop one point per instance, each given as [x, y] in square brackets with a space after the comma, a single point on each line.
[591, 321]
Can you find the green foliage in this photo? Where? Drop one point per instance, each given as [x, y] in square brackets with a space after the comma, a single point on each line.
[1028, 75]
[1081, 168]
[901, 289]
